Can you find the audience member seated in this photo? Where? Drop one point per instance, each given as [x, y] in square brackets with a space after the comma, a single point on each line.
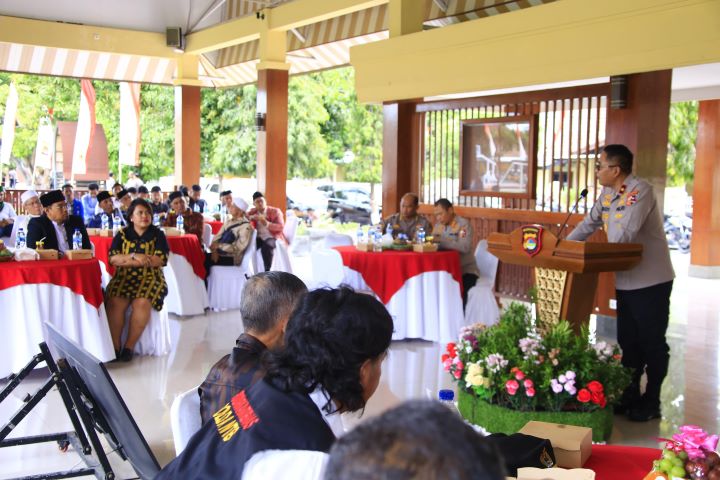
[408, 220]
[226, 199]
[268, 299]
[144, 193]
[133, 192]
[133, 180]
[197, 204]
[125, 200]
[419, 439]
[55, 227]
[138, 252]
[89, 202]
[116, 189]
[30, 201]
[106, 208]
[7, 215]
[268, 221]
[193, 222]
[156, 202]
[335, 343]
[453, 232]
[229, 244]
[75, 206]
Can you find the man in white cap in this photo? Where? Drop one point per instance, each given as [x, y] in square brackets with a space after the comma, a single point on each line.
[229, 244]
[30, 201]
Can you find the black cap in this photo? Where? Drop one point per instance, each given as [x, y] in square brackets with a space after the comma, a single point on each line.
[155, 189]
[93, 186]
[103, 196]
[132, 190]
[257, 195]
[121, 194]
[174, 195]
[49, 198]
[226, 192]
[196, 188]
[143, 189]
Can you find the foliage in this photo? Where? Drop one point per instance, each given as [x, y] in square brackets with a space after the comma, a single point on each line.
[307, 148]
[511, 365]
[681, 143]
[157, 124]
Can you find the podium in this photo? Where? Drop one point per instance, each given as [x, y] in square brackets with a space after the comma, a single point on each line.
[565, 271]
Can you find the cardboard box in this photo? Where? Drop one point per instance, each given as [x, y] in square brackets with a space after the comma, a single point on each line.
[425, 247]
[572, 445]
[106, 233]
[48, 254]
[82, 254]
[364, 247]
[94, 232]
[555, 474]
[171, 232]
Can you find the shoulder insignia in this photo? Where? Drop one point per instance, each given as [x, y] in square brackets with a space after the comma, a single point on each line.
[605, 216]
[618, 216]
[632, 198]
[622, 189]
[463, 233]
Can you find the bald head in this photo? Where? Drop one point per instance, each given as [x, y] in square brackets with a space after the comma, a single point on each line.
[409, 206]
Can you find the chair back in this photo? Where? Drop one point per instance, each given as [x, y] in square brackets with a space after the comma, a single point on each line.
[291, 224]
[327, 268]
[334, 239]
[249, 255]
[486, 262]
[281, 259]
[207, 234]
[185, 418]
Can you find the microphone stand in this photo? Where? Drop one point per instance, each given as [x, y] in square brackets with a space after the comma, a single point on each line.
[582, 195]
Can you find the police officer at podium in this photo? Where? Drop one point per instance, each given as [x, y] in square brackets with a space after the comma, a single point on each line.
[628, 212]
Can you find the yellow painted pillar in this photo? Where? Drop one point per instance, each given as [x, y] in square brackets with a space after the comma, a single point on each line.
[187, 121]
[405, 17]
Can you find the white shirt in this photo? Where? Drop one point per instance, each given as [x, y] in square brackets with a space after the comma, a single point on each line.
[63, 245]
[263, 230]
[7, 212]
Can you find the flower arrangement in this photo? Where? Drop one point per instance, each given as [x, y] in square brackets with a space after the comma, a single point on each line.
[511, 365]
[689, 454]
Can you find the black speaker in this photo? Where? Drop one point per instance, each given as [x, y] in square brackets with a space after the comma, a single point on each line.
[618, 92]
[173, 37]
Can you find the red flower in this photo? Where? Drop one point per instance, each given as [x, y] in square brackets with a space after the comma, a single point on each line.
[519, 375]
[452, 349]
[599, 399]
[584, 395]
[511, 386]
[458, 373]
[444, 357]
[530, 392]
[595, 387]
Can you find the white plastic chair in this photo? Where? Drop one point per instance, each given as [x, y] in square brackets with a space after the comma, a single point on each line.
[281, 258]
[185, 418]
[481, 304]
[327, 268]
[155, 339]
[225, 284]
[291, 224]
[207, 235]
[334, 239]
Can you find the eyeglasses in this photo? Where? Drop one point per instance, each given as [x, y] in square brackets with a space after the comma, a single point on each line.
[60, 206]
[599, 166]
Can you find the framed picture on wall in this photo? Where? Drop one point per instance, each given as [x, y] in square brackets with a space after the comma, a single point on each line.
[497, 157]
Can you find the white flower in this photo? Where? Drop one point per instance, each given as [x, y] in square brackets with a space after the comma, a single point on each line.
[570, 375]
[562, 379]
[495, 362]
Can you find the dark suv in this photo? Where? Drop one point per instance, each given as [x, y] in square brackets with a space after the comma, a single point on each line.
[351, 205]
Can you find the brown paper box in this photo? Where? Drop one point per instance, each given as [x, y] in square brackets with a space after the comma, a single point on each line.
[572, 445]
[93, 232]
[425, 247]
[48, 254]
[364, 247]
[79, 254]
[171, 232]
[106, 233]
[555, 474]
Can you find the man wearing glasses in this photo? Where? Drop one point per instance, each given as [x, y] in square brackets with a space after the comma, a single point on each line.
[628, 211]
[55, 227]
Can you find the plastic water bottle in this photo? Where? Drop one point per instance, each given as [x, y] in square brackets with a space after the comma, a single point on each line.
[420, 235]
[180, 224]
[196, 208]
[104, 221]
[77, 240]
[156, 219]
[447, 398]
[360, 235]
[223, 213]
[389, 229]
[116, 225]
[377, 240]
[20, 239]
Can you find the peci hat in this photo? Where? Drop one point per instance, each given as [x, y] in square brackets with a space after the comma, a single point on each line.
[93, 186]
[241, 204]
[27, 195]
[257, 195]
[174, 195]
[143, 189]
[155, 189]
[103, 196]
[51, 197]
[196, 188]
[122, 193]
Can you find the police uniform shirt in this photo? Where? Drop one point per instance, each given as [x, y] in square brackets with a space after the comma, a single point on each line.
[631, 215]
[406, 226]
[458, 236]
[159, 207]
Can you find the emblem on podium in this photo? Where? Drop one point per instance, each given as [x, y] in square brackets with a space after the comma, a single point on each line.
[532, 239]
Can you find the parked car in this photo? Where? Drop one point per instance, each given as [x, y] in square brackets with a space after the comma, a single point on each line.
[350, 206]
[678, 232]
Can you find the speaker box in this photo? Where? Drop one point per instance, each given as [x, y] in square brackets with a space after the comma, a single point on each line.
[173, 37]
[618, 92]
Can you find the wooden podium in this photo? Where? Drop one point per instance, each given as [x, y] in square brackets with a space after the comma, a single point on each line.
[565, 273]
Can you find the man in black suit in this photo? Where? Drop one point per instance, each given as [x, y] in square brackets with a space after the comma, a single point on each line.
[55, 225]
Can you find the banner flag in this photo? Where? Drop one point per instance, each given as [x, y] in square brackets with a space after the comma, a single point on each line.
[129, 124]
[85, 127]
[8, 134]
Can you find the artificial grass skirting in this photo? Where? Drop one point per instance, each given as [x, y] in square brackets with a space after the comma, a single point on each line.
[497, 419]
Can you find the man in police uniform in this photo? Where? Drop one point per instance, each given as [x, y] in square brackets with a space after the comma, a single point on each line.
[407, 221]
[455, 233]
[628, 211]
[107, 207]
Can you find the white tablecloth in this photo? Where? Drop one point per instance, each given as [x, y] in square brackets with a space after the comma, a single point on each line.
[428, 306]
[187, 294]
[26, 307]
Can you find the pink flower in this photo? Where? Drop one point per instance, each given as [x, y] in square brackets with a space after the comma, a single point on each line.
[519, 375]
[512, 386]
[696, 441]
[570, 375]
[530, 392]
[459, 365]
[556, 386]
[458, 373]
[528, 383]
[446, 364]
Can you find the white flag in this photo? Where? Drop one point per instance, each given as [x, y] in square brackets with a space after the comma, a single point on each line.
[129, 124]
[8, 134]
[45, 147]
[85, 127]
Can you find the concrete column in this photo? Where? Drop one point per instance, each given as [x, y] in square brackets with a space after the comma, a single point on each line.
[187, 134]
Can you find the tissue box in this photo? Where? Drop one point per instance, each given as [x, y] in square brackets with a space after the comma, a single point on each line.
[171, 232]
[364, 247]
[555, 474]
[93, 231]
[425, 247]
[48, 254]
[82, 254]
[572, 445]
[105, 233]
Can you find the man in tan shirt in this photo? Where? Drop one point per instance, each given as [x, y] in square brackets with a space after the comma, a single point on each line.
[407, 221]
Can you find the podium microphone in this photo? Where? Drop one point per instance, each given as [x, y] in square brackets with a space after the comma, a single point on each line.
[582, 195]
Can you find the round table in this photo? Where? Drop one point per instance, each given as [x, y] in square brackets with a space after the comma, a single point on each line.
[616, 462]
[422, 291]
[65, 293]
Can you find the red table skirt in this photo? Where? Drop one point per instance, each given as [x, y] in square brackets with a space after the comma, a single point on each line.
[386, 272]
[80, 276]
[215, 225]
[615, 462]
[186, 245]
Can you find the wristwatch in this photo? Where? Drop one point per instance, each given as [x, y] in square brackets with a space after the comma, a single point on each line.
[132, 256]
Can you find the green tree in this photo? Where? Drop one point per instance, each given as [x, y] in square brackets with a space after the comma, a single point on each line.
[681, 143]
[157, 140]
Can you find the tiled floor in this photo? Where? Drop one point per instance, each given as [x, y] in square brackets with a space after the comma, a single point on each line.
[691, 393]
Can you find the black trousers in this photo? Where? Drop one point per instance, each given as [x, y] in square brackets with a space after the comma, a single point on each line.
[642, 320]
[6, 231]
[468, 280]
[267, 250]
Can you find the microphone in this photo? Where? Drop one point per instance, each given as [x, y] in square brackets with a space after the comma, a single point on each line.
[582, 195]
